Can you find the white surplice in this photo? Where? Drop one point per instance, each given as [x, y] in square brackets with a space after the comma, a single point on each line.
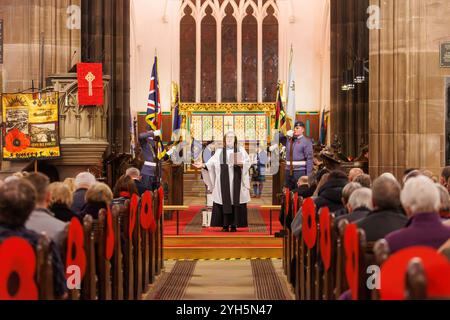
[213, 166]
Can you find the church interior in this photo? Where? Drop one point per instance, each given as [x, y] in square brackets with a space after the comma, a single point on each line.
[278, 150]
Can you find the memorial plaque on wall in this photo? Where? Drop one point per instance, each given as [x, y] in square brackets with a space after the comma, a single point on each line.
[1, 41]
[445, 55]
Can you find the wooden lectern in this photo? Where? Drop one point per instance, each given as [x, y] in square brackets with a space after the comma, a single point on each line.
[172, 180]
[278, 183]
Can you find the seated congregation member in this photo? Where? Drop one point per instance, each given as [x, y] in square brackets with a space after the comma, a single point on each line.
[346, 193]
[124, 190]
[231, 181]
[42, 219]
[445, 176]
[330, 194]
[61, 201]
[98, 197]
[364, 180]
[70, 183]
[83, 182]
[354, 173]
[421, 201]
[303, 188]
[359, 206]
[387, 215]
[135, 174]
[17, 201]
[444, 208]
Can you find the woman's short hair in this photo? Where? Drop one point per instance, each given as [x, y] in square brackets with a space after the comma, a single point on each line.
[60, 193]
[70, 183]
[99, 192]
[420, 195]
[125, 184]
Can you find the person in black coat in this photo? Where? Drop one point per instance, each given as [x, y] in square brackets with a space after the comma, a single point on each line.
[98, 197]
[61, 201]
[330, 194]
[83, 182]
[387, 215]
[303, 188]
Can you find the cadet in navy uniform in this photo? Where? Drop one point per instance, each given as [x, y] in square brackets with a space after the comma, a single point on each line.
[299, 155]
[149, 142]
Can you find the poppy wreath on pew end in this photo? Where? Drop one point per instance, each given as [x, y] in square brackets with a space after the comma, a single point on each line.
[134, 203]
[147, 218]
[17, 270]
[76, 256]
[351, 247]
[309, 225]
[160, 202]
[436, 268]
[325, 237]
[109, 235]
[287, 197]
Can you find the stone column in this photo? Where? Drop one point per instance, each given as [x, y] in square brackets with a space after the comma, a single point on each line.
[407, 87]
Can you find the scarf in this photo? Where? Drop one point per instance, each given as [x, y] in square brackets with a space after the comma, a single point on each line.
[225, 183]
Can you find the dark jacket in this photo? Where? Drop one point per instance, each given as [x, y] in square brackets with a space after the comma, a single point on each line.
[63, 212]
[78, 200]
[330, 195]
[304, 191]
[140, 187]
[380, 223]
[92, 209]
[356, 215]
[423, 229]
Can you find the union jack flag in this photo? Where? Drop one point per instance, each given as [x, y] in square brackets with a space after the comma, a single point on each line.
[154, 113]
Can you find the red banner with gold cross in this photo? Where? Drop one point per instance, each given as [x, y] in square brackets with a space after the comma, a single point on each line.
[90, 84]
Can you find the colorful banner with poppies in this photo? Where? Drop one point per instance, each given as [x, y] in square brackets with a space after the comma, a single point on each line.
[31, 126]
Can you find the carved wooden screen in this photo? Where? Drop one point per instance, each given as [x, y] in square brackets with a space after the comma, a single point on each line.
[229, 56]
[249, 57]
[187, 56]
[209, 58]
[270, 56]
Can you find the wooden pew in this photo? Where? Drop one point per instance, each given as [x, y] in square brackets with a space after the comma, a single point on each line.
[103, 264]
[137, 258]
[416, 281]
[309, 238]
[44, 269]
[294, 280]
[341, 284]
[327, 280]
[117, 267]
[128, 257]
[381, 253]
[89, 284]
[159, 234]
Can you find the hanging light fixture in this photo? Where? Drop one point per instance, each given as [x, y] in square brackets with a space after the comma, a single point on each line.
[350, 84]
[344, 81]
[359, 71]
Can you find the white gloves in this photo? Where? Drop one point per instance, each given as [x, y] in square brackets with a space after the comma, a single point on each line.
[157, 133]
[273, 148]
[290, 133]
[171, 151]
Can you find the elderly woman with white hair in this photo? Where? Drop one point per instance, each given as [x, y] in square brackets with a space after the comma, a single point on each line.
[83, 182]
[421, 201]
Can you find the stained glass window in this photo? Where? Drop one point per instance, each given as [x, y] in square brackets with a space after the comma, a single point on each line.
[187, 56]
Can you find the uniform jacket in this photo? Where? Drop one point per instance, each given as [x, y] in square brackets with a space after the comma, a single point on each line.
[303, 151]
[148, 145]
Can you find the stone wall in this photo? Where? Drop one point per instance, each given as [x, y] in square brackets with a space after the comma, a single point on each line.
[407, 86]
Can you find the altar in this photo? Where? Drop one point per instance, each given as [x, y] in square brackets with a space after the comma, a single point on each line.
[209, 122]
